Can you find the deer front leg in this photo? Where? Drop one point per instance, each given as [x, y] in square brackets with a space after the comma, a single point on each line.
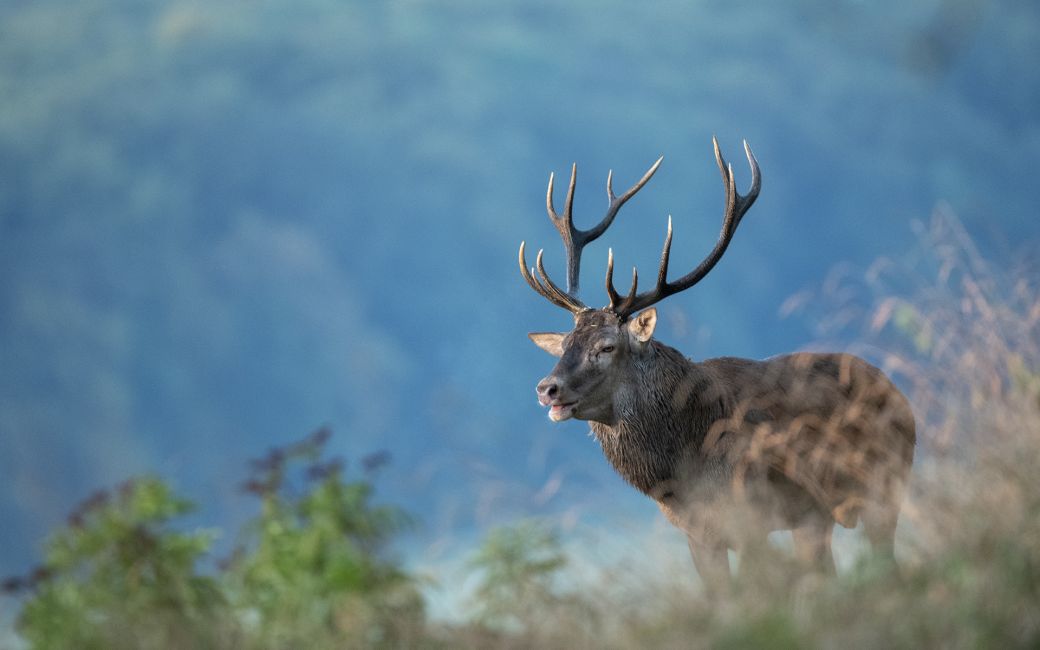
[711, 558]
[709, 551]
[812, 544]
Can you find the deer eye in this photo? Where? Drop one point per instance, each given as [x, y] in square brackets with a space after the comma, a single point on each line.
[606, 349]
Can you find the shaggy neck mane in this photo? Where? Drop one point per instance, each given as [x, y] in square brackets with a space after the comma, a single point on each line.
[654, 407]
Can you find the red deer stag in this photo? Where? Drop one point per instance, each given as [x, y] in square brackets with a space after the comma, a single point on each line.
[799, 441]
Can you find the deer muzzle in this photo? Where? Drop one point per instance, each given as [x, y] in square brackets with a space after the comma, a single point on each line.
[551, 393]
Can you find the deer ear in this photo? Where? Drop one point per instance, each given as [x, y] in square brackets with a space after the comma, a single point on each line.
[551, 342]
[642, 326]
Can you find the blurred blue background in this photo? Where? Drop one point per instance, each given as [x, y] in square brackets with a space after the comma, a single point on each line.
[224, 224]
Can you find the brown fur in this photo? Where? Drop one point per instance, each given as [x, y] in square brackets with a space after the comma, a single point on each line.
[730, 448]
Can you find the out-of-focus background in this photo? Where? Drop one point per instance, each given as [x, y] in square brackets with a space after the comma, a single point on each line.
[224, 224]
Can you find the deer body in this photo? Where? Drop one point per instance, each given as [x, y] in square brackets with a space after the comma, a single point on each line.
[730, 449]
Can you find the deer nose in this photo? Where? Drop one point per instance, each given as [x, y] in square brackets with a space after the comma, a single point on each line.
[547, 389]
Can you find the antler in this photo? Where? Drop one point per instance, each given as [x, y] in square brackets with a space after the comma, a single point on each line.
[574, 239]
[546, 287]
[736, 206]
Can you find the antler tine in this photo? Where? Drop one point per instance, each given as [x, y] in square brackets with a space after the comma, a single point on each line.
[575, 239]
[612, 294]
[568, 209]
[528, 275]
[662, 271]
[565, 225]
[616, 304]
[549, 290]
[616, 202]
[736, 206]
[572, 303]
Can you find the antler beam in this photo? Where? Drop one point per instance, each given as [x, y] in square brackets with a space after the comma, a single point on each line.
[575, 239]
[736, 206]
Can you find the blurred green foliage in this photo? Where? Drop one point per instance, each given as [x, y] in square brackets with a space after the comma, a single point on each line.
[312, 569]
[518, 566]
[118, 575]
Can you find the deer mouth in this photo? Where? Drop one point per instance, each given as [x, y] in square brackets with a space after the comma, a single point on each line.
[560, 411]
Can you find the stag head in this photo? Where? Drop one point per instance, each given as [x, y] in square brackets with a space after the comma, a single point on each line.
[593, 360]
[607, 343]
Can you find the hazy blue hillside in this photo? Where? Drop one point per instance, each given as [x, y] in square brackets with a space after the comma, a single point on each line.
[224, 224]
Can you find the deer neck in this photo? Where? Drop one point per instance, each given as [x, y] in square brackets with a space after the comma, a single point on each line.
[663, 410]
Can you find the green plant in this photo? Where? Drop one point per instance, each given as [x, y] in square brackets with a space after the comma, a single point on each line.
[516, 566]
[313, 569]
[119, 576]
